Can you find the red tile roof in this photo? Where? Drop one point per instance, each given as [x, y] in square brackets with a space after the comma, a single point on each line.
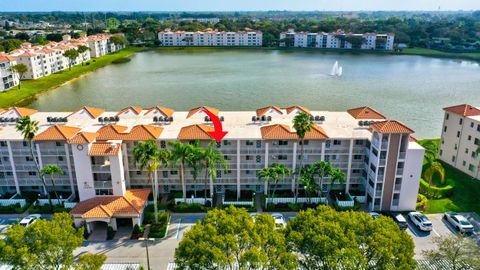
[104, 149]
[83, 138]
[164, 110]
[93, 112]
[135, 109]
[293, 108]
[264, 110]
[137, 133]
[130, 204]
[283, 132]
[463, 110]
[215, 111]
[22, 112]
[391, 127]
[365, 113]
[195, 132]
[57, 133]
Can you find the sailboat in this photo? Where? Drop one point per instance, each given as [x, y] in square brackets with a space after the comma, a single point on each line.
[336, 70]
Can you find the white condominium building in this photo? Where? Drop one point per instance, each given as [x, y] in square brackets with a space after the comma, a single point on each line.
[8, 78]
[380, 159]
[210, 38]
[337, 40]
[45, 60]
[460, 140]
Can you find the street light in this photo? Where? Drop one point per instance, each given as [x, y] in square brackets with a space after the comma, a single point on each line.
[146, 246]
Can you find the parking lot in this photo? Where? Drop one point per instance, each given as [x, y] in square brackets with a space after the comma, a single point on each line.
[5, 222]
[179, 224]
[441, 227]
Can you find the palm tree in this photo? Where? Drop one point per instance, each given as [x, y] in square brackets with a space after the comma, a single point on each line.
[322, 169]
[432, 168]
[194, 161]
[147, 155]
[267, 174]
[302, 124]
[337, 175]
[308, 181]
[28, 127]
[281, 171]
[51, 170]
[212, 159]
[180, 154]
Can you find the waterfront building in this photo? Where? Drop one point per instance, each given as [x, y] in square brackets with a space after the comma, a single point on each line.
[8, 78]
[337, 40]
[460, 140]
[381, 161]
[45, 60]
[210, 38]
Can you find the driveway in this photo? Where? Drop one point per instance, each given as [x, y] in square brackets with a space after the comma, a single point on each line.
[179, 224]
[99, 232]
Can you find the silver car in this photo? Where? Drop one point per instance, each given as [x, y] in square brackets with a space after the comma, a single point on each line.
[460, 222]
[421, 221]
[29, 220]
[279, 220]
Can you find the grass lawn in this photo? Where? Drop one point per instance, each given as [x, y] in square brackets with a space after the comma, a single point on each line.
[30, 88]
[435, 53]
[465, 194]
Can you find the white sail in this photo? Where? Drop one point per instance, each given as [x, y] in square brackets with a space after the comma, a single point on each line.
[340, 71]
[334, 69]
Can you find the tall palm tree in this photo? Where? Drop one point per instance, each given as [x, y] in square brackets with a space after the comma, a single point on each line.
[28, 127]
[302, 124]
[180, 154]
[267, 174]
[213, 159]
[194, 161]
[51, 170]
[281, 171]
[146, 154]
[337, 175]
[322, 169]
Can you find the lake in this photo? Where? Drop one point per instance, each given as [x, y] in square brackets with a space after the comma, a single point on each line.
[412, 89]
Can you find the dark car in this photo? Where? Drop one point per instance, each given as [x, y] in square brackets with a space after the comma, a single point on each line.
[399, 219]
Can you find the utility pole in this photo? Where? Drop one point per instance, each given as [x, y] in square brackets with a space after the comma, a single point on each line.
[146, 247]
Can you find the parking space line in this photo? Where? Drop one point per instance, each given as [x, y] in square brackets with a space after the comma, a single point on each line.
[433, 230]
[178, 228]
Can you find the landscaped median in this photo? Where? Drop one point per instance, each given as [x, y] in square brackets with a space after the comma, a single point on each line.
[30, 88]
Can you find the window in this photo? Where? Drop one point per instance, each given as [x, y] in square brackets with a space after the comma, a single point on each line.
[441, 152]
[259, 144]
[471, 168]
[163, 144]
[282, 142]
[469, 137]
[60, 158]
[464, 163]
[396, 199]
[138, 172]
[219, 173]
[447, 116]
[282, 157]
[453, 158]
[458, 134]
[466, 150]
[225, 142]
[258, 159]
[3, 144]
[28, 158]
[474, 154]
[327, 144]
[58, 144]
[461, 121]
[25, 144]
[478, 127]
[174, 172]
[445, 129]
[337, 142]
[472, 125]
[247, 172]
[358, 142]
[477, 141]
[248, 158]
[305, 142]
[357, 157]
[165, 173]
[32, 173]
[249, 143]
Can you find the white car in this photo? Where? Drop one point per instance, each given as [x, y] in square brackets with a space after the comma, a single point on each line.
[29, 220]
[421, 221]
[374, 215]
[460, 223]
[279, 220]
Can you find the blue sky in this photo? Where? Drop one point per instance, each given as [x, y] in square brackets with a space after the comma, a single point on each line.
[228, 5]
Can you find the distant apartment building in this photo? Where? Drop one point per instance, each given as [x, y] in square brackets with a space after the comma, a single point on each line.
[45, 60]
[210, 38]
[460, 140]
[380, 159]
[8, 78]
[202, 20]
[337, 40]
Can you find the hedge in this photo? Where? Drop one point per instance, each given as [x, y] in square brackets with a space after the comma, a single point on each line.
[421, 202]
[435, 192]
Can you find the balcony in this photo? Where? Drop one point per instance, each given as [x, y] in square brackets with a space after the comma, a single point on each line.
[400, 171]
[101, 168]
[102, 184]
[402, 155]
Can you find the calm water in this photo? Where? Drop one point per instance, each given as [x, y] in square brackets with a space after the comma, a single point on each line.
[412, 89]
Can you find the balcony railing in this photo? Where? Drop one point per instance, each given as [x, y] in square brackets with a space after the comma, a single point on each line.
[102, 184]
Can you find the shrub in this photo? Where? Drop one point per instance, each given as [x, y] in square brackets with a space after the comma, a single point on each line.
[121, 60]
[12, 209]
[421, 202]
[87, 63]
[138, 229]
[47, 209]
[110, 233]
[188, 208]
[433, 192]
[160, 229]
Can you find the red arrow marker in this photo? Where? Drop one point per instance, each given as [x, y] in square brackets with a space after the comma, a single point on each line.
[218, 132]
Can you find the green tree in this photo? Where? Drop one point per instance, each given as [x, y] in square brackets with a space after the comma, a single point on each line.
[229, 238]
[90, 261]
[337, 175]
[180, 154]
[20, 69]
[113, 23]
[40, 40]
[308, 182]
[42, 245]
[213, 159]
[268, 174]
[328, 239]
[81, 50]
[119, 40]
[71, 54]
[432, 166]
[457, 251]
[148, 156]
[322, 169]
[194, 161]
[28, 127]
[52, 170]
[302, 124]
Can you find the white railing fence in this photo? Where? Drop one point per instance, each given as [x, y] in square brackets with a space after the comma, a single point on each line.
[69, 205]
[13, 201]
[201, 201]
[43, 202]
[245, 203]
[299, 200]
[348, 203]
